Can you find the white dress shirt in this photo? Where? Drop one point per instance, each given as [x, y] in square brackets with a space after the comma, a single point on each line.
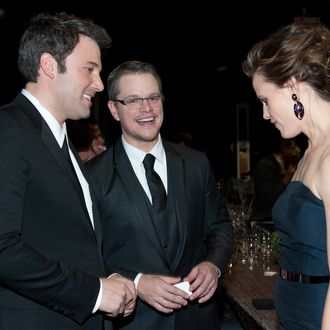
[136, 157]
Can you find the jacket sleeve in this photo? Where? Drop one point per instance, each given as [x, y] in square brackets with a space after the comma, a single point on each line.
[219, 233]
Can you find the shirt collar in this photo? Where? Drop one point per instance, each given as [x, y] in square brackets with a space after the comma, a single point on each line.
[58, 131]
[138, 155]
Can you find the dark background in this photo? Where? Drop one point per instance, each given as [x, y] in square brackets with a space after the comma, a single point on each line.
[197, 49]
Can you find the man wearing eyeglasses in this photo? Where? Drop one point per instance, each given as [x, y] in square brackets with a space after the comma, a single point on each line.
[176, 250]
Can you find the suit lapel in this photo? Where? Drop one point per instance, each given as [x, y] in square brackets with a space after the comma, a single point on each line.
[40, 127]
[177, 186]
[96, 214]
[55, 150]
[96, 217]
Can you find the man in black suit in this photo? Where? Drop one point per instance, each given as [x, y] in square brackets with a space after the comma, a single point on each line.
[271, 175]
[51, 273]
[190, 240]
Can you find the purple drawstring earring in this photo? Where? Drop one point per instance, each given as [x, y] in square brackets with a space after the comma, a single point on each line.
[298, 108]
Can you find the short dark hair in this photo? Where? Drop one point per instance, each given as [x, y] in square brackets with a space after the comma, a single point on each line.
[58, 35]
[130, 67]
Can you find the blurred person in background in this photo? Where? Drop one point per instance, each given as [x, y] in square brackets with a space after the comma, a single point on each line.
[87, 138]
[184, 138]
[270, 177]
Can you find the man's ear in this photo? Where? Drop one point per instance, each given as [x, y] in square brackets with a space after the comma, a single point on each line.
[48, 65]
[113, 109]
[95, 146]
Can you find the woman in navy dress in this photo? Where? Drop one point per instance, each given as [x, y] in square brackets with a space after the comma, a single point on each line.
[290, 72]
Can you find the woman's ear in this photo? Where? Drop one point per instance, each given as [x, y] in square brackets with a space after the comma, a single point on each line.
[294, 85]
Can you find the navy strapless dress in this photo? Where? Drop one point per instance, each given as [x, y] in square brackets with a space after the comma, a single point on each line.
[299, 219]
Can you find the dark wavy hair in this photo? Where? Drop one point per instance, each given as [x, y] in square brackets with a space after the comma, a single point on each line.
[297, 50]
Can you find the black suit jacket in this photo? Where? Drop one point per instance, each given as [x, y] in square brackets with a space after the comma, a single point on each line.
[131, 244]
[50, 256]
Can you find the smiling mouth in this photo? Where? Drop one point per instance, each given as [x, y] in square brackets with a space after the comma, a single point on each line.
[88, 97]
[146, 120]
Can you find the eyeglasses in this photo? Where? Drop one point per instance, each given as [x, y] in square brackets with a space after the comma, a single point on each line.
[136, 103]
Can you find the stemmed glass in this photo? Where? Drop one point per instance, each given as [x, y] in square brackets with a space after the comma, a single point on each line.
[266, 250]
[238, 195]
[254, 246]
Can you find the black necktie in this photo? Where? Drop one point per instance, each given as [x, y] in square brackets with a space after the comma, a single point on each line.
[66, 153]
[155, 183]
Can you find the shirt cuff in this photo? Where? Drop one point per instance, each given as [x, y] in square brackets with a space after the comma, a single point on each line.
[99, 299]
[137, 279]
